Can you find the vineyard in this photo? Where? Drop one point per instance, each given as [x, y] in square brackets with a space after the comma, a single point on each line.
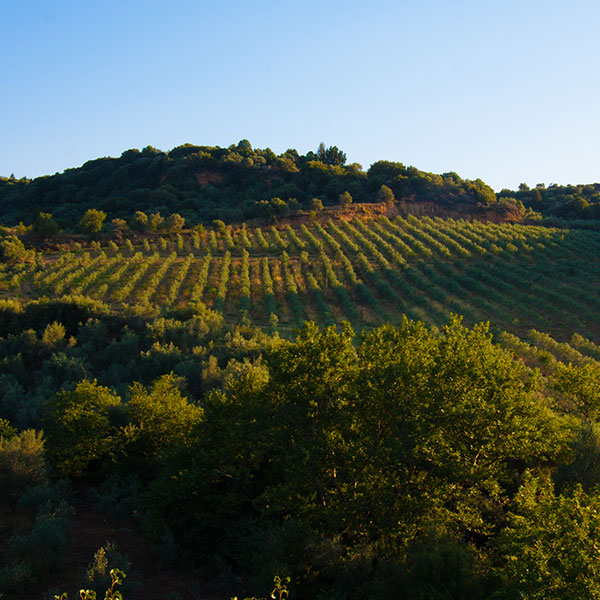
[519, 277]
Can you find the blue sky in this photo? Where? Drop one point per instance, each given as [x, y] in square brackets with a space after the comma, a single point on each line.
[500, 90]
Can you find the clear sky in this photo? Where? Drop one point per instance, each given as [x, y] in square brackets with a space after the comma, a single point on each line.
[502, 90]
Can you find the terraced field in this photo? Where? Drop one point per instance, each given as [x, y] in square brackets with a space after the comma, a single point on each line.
[516, 276]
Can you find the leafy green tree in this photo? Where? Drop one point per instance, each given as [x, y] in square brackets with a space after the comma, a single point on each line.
[580, 386]
[442, 396]
[119, 227]
[81, 428]
[13, 252]
[386, 195]
[370, 445]
[22, 464]
[99, 574]
[92, 221]
[345, 199]
[54, 335]
[316, 204]
[140, 221]
[536, 198]
[331, 156]
[550, 546]
[155, 221]
[45, 226]
[175, 223]
[112, 592]
[584, 465]
[6, 430]
[160, 416]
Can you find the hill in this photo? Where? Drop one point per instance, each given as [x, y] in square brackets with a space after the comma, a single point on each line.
[307, 392]
[234, 184]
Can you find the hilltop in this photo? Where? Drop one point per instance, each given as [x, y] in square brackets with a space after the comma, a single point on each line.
[234, 184]
[241, 183]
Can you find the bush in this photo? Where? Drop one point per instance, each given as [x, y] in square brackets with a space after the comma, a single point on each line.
[92, 221]
[21, 464]
[12, 251]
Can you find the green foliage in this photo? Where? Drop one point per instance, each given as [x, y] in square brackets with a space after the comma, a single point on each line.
[436, 567]
[13, 252]
[92, 221]
[155, 221]
[331, 156]
[373, 466]
[14, 577]
[54, 335]
[417, 430]
[279, 592]
[550, 544]
[583, 468]
[581, 387]
[119, 226]
[386, 195]
[175, 223]
[204, 183]
[45, 226]
[160, 416]
[316, 204]
[39, 548]
[140, 221]
[117, 495]
[22, 463]
[44, 545]
[345, 199]
[80, 427]
[6, 430]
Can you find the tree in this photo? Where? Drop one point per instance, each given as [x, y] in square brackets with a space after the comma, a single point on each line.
[386, 195]
[331, 156]
[442, 397]
[92, 221]
[581, 387]
[550, 546]
[345, 199]
[22, 463]
[175, 223]
[316, 204]
[359, 449]
[44, 225]
[160, 416]
[12, 251]
[155, 220]
[119, 227]
[54, 336]
[140, 221]
[80, 427]
[6, 429]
